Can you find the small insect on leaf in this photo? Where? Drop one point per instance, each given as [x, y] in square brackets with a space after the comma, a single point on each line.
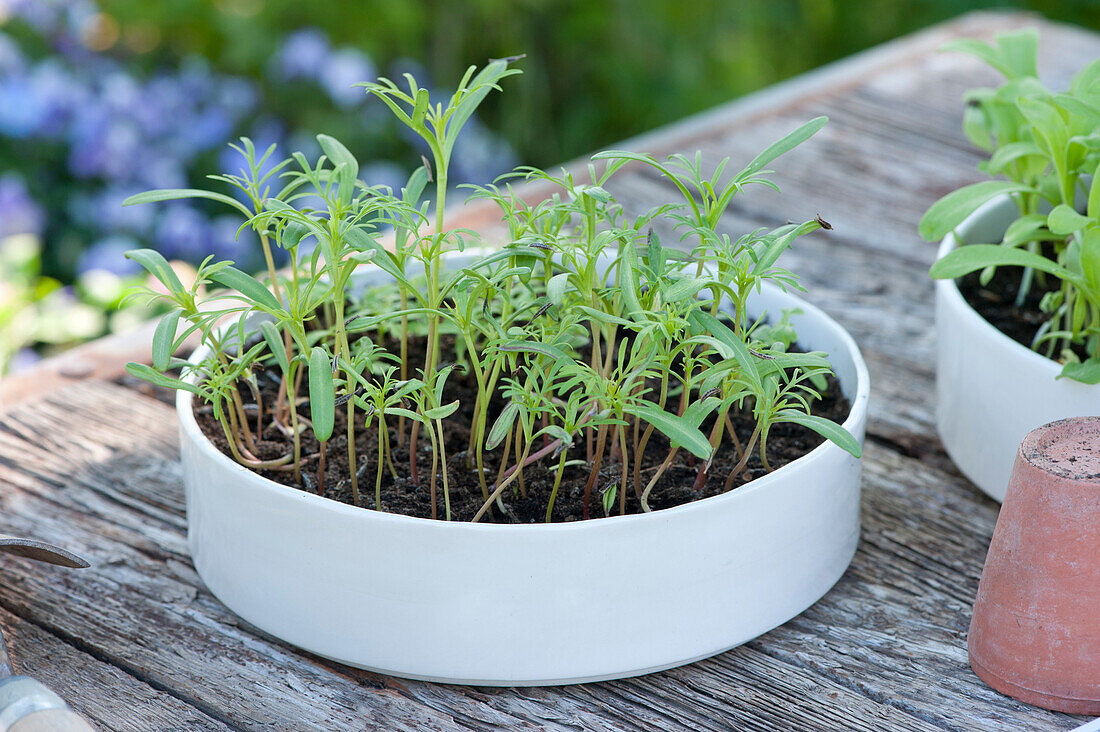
[322, 395]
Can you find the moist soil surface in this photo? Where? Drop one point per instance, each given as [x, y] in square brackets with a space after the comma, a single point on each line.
[996, 302]
[786, 442]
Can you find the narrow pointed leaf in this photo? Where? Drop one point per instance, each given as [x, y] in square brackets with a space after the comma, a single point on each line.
[503, 423]
[175, 194]
[148, 373]
[677, 429]
[322, 395]
[157, 266]
[971, 257]
[948, 212]
[164, 340]
[275, 345]
[784, 145]
[828, 429]
[247, 285]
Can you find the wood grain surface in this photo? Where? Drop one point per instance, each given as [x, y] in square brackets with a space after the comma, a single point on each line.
[136, 642]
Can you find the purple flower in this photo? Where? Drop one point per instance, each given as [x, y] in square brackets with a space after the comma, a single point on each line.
[19, 214]
[346, 67]
[11, 58]
[103, 211]
[384, 173]
[183, 233]
[21, 111]
[235, 96]
[109, 254]
[302, 55]
[22, 360]
[226, 243]
[264, 134]
[59, 95]
[479, 155]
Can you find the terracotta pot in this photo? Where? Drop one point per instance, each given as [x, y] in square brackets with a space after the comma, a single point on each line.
[1035, 634]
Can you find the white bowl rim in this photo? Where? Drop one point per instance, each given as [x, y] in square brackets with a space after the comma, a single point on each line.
[856, 419]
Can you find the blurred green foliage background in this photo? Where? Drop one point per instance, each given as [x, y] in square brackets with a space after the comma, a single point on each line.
[595, 72]
[100, 99]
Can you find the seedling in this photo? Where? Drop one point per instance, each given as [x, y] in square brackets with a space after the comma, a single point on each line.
[582, 336]
[1044, 147]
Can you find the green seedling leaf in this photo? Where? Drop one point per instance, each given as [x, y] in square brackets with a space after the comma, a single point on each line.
[441, 412]
[174, 194]
[420, 109]
[1063, 220]
[275, 345]
[415, 187]
[293, 233]
[784, 145]
[683, 289]
[505, 253]
[248, 286]
[557, 286]
[1093, 209]
[1090, 261]
[706, 324]
[628, 281]
[828, 429]
[948, 212]
[344, 161]
[543, 349]
[607, 500]
[164, 340]
[1087, 372]
[479, 88]
[157, 266]
[147, 373]
[1014, 55]
[322, 395]
[677, 429]
[501, 426]
[967, 259]
[1025, 229]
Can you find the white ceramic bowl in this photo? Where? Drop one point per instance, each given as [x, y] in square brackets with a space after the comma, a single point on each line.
[992, 391]
[534, 604]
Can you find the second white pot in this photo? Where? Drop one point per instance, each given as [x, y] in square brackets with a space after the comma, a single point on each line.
[990, 390]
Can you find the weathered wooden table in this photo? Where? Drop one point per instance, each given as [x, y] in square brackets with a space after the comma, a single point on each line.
[137, 643]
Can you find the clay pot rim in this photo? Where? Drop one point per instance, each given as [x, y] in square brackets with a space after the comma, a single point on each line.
[1033, 448]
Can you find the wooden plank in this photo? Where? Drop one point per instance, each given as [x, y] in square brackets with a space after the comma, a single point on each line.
[883, 649]
[109, 697]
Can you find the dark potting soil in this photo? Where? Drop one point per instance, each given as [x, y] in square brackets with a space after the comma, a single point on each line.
[996, 302]
[786, 442]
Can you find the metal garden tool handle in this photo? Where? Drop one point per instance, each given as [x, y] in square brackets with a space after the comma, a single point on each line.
[27, 705]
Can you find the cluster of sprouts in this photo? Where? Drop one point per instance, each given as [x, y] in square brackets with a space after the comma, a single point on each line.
[585, 336]
[1045, 146]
